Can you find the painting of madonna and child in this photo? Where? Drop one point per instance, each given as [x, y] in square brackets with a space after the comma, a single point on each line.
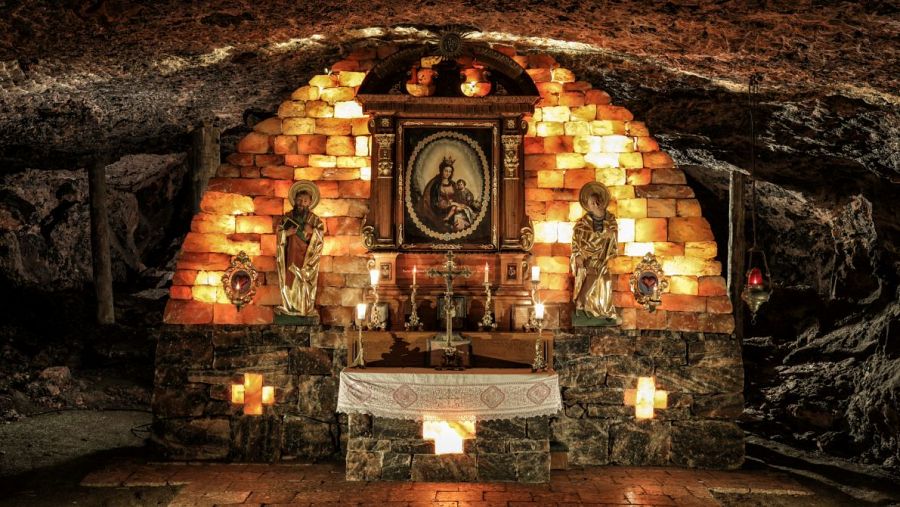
[447, 189]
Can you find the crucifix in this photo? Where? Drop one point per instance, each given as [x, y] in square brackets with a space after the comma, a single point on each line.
[451, 354]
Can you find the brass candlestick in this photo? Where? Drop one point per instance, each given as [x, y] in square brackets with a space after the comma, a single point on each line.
[487, 321]
[414, 323]
[532, 324]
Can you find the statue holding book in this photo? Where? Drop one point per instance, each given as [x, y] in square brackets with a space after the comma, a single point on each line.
[301, 235]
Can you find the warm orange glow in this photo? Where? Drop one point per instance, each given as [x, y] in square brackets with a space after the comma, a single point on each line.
[646, 398]
[638, 249]
[448, 436]
[626, 230]
[252, 394]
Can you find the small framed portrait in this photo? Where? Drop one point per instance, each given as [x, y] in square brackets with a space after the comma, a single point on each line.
[512, 271]
[448, 186]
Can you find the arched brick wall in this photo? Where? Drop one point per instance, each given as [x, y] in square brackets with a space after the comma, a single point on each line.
[576, 135]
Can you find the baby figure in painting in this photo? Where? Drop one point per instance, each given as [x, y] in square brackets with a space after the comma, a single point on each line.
[461, 212]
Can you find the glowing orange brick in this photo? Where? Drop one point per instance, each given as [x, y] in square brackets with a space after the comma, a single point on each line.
[684, 229]
[254, 142]
[685, 321]
[712, 286]
[569, 161]
[248, 314]
[319, 109]
[298, 126]
[353, 162]
[683, 303]
[337, 94]
[202, 260]
[719, 304]
[249, 172]
[308, 173]
[539, 75]
[534, 145]
[294, 160]
[333, 127]
[360, 126]
[351, 79]
[221, 203]
[621, 264]
[285, 145]
[576, 178]
[548, 128]
[557, 144]
[606, 112]
[292, 109]
[218, 243]
[242, 186]
[701, 249]
[638, 176]
[691, 266]
[180, 292]
[634, 160]
[269, 126]
[718, 323]
[660, 207]
[267, 244]
[540, 162]
[279, 172]
[680, 284]
[584, 113]
[358, 189]
[644, 144]
[596, 97]
[340, 173]
[667, 248]
[306, 93]
[651, 320]
[607, 127]
[340, 145]
[688, 208]
[571, 99]
[650, 229]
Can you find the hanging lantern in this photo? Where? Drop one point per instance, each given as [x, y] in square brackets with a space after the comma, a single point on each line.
[475, 81]
[758, 288]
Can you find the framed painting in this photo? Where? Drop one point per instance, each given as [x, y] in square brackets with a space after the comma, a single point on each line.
[448, 185]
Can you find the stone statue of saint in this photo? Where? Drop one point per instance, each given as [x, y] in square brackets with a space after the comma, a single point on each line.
[593, 245]
[301, 235]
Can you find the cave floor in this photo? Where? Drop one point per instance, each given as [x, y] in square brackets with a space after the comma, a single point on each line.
[324, 484]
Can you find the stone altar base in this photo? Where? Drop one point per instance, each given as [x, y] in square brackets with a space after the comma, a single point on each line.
[516, 450]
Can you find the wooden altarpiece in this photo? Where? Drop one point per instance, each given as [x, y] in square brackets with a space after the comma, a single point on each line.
[430, 153]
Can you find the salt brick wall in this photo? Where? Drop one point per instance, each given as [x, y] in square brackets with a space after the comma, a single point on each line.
[575, 135]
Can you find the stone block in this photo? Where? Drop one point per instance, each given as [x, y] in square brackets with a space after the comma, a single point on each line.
[586, 439]
[540, 162]
[631, 208]
[701, 249]
[256, 438]
[310, 361]
[582, 372]
[707, 444]
[212, 223]
[280, 172]
[533, 467]
[241, 186]
[668, 177]
[317, 396]
[306, 93]
[644, 144]
[412, 446]
[501, 429]
[577, 178]
[364, 465]
[298, 126]
[253, 224]
[340, 145]
[651, 320]
[309, 440]
[550, 179]
[613, 343]
[491, 446]
[548, 128]
[292, 109]
[537, 428]
[203, 260]
[444, 468]
[571, 98]
[333, 127]
[312, 144]
[295, 160]
[680, 284]
[640, 443]
[254, 142]
[188, 312]
[496, 467]
[385, 428]
[691, 266]
[396, 467]
[718, 323]
[224, 203]
[719, 304]
[569, 161]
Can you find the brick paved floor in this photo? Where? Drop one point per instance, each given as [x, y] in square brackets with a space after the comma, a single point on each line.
[324, 485]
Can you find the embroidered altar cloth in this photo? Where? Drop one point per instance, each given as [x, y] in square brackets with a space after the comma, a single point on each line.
[419, 393]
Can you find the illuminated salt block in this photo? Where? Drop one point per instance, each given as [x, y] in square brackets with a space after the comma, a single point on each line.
[564, 232]
[252, 394]
[556, 113]
[213, 278]
[695, 266]
[626, 230]
[205, 293]
[569, 161]
[679, 284]
[600, 160]
[545, 232]
[348, 109]
[646, 398]
[448, 436]
[365, 173]
[362, 146]
[588, 144]
[546, 129]
[638, 249]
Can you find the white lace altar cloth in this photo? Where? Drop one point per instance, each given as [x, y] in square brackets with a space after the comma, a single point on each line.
[420, 393]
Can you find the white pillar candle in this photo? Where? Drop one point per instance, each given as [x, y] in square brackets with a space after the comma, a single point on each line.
[360, 311]
[373, 276]
[539, 310]
[486, 272]
[414, 275]
[535, 273]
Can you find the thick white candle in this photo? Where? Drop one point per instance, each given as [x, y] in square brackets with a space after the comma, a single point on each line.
[360, 311]
[535, 273]
[539, 310]
[486, 272]
[414, 275]
[373, 276]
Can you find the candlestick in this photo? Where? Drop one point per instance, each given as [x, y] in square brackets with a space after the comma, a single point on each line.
[539, 364]
[487, 321]
[414, 323]
[486, 270]
[376, 319]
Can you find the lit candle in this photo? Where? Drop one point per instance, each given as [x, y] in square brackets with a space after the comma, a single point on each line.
[539, 310]
[414, 275]
[360, 311]
[486, 272]
[373, 276]
[535, 273]
[755, 278]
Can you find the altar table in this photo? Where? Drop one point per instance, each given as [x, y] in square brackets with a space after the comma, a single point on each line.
[422, 393]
